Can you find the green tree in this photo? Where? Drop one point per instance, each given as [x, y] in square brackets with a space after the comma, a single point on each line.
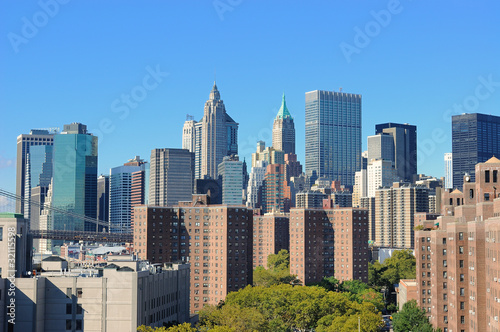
[278, 271]
[185, 327]
[411, 318]
[279, 261]
[401, 265]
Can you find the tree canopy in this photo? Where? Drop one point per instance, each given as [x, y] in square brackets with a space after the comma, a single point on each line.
[285, 308]
[278, 271]
[412, 318]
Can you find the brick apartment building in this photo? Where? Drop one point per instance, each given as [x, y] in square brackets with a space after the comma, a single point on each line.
[270, 234]
[329, 242]
[457, 268]
[215, 239]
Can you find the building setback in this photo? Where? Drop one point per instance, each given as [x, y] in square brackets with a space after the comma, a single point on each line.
[215, 239]
[329, 242]
[271, 234]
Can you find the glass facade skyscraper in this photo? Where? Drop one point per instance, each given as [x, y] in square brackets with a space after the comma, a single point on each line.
[475, 139]
[405, 147]
[333, 135]
[75, 178]
[36, 137]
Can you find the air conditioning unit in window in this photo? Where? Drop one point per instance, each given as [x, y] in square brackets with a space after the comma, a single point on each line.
[494, 259]
[495, 279]
[496, 318]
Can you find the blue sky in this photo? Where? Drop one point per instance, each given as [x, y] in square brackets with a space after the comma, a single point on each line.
[414, 62]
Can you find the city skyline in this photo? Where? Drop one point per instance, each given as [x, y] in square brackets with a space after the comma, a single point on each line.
[376, 69]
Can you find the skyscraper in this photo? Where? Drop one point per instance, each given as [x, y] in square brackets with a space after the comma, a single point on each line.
[75, 178]
[120, 194]
[333, 135]
[36, 137]
[189, 134]
[276, 193]
[171, 176]
[103, 197]
[475, 139]
[231, 173]
[284, 130]
[405, 147]
[381, 146]
[219, 135]
[448, 170]
[255, 182]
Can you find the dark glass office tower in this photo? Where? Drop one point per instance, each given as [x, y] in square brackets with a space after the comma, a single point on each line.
[475, 139]
[333, 135]
[405, 147]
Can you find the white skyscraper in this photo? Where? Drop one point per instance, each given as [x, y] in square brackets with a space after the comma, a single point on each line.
[360, 188]
[189, 135]
[448, 170]
[381, 173]
[257, 176]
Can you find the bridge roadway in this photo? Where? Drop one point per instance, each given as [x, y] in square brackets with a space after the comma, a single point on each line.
[83, 236]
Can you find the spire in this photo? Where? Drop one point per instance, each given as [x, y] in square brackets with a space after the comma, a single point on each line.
[283, 112]
[214, 94]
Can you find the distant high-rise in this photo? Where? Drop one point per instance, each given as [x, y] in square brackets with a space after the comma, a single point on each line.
[140, 188]
[254, 188]
[189, 134]
[333, 135]
[381, 146]
[276, 193]
[171, 176]
[269, 154]
[448, 170]
[120, 194]
[284, 130]
[405, 147]
[381, 173]
[231, 173]
[219, 135]
[75, 178]
[103, 197]
[36, 137]
[475, 139]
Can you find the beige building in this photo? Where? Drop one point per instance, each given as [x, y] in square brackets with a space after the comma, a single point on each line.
[15, 258]
[395, 210]
[119, 297]
[407, 291]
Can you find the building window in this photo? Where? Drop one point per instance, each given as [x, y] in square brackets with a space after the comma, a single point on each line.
[79, 293]
[79, 325]
[68, 324]
[461, 263]
[462, 305]
[461, 236]
[444, 252]
[495, 176]
[461, 250]
[462, 291]
[471, 193]
[487, 176]
[462, 278]
[486, 197]
[445, 263]
[68, 308]
[69, 292]
[462, 319]
[1, 233]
